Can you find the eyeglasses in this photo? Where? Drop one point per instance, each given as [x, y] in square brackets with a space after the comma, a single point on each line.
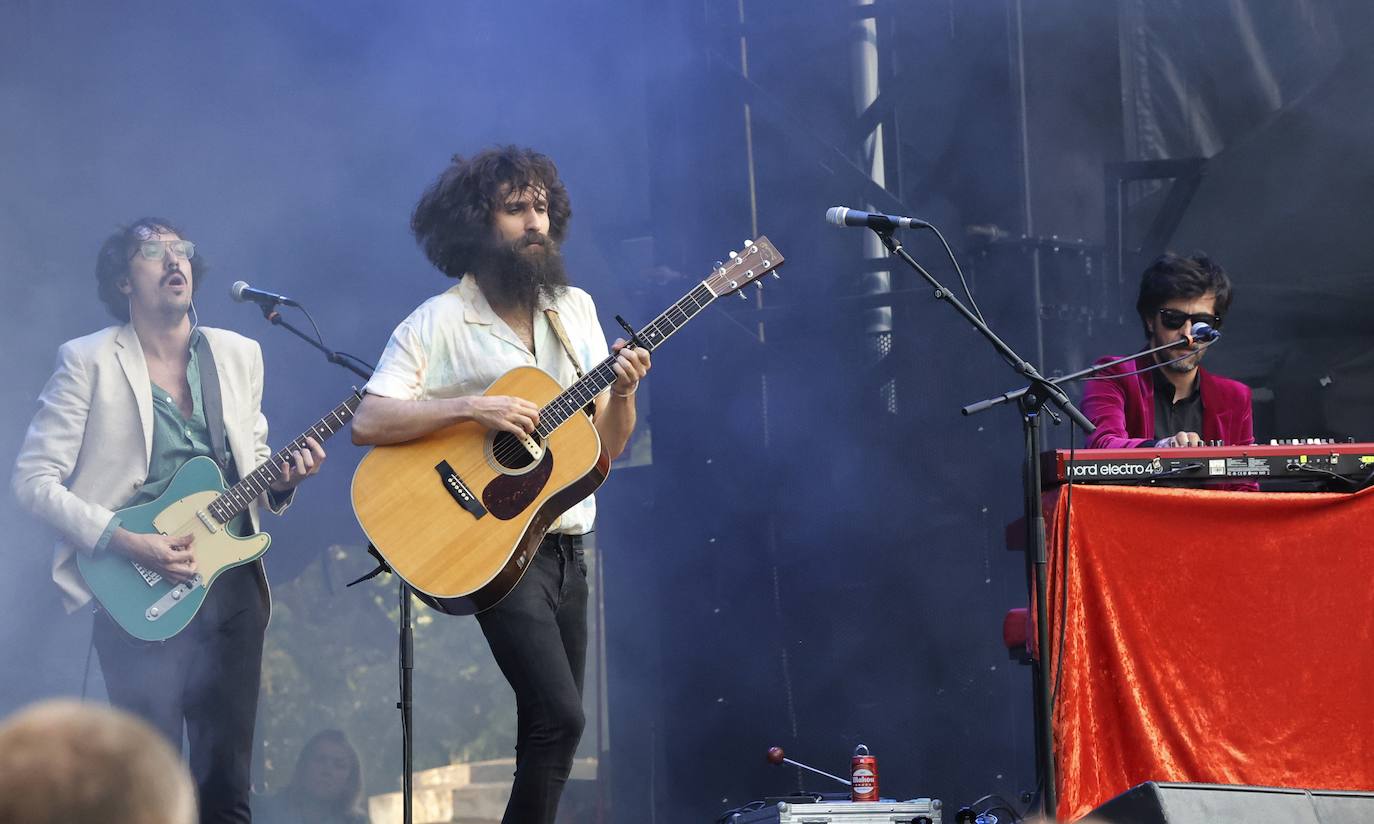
[157, 249]
[1174, 319]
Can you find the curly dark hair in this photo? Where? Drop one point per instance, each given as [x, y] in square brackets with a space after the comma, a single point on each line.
[112, 263]
[1174, 276]
[452, 221]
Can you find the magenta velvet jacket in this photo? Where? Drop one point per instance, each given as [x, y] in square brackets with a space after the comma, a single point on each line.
[1123, 409]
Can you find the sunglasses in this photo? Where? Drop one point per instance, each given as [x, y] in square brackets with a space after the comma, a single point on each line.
[1174, 319]
[156, 249]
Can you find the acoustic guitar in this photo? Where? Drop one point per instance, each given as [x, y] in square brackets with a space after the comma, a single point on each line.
[459, 513]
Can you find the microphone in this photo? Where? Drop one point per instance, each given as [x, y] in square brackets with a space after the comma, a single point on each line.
[844, 216]
[1204, 333]
[241, 292]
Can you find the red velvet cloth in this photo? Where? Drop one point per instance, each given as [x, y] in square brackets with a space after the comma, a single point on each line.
[1221, 637]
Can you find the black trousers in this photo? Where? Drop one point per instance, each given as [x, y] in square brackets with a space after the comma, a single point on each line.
[203, 681]
[538, 635]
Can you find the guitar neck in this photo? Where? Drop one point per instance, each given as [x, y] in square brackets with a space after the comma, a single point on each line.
[237, 498]
[600, 378]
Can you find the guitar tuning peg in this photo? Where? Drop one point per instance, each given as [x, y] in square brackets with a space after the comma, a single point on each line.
[776, 276]
[719, 264]
[742, 295]
[734, 255]
[758, 284]
[746, 244]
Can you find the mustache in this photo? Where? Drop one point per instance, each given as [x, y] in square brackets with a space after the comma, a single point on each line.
[532, 238]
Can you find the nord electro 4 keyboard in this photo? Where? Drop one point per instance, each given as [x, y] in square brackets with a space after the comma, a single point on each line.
[1344, 465]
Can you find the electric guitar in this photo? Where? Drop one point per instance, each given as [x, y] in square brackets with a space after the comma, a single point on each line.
[196, 502]
[458, 513]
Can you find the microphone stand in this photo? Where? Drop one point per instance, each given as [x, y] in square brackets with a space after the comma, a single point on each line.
[1015, 394]
[1032, 402]
[270, 312]
[406, 634]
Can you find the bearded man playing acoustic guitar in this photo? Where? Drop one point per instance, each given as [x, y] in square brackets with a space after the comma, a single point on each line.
[125, 409]
[494, 222]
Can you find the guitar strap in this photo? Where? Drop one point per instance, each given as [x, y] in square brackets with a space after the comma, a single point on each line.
[213, 406]
[557, 324]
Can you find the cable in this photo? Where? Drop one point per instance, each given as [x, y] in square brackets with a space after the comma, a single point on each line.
[1316, 470]
[86, 672]
[954, 260]
[358, 360]
[1002, 804]
[319, 338]
[729, 815]
[1152, 368]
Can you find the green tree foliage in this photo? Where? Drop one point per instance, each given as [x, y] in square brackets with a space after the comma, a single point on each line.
[331, 660]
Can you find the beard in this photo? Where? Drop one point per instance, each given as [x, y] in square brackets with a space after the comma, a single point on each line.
[518, 273]
[1188, 364]
[1184, 366]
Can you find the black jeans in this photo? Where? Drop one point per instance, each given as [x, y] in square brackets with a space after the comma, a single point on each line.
[204, 679]
[538, 635]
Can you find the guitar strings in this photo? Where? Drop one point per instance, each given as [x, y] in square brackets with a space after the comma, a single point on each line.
[231, 503]
[512, 448]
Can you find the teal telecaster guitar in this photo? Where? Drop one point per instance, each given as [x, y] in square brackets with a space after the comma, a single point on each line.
[196, 502]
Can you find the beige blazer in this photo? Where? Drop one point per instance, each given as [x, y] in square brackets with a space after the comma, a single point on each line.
[87, 450]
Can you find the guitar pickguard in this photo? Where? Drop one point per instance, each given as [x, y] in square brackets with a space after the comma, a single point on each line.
[507, 496]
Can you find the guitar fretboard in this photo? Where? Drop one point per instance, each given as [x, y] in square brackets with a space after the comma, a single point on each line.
[237, 498]
[602, 375]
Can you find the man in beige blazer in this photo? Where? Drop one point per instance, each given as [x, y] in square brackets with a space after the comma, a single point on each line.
[125, 407]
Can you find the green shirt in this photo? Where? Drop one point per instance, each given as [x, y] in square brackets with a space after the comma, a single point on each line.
[176, 440]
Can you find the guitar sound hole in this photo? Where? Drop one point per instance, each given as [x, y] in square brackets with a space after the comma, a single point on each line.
[509, 452]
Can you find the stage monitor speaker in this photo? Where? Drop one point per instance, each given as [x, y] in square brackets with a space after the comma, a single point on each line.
[1164, 803]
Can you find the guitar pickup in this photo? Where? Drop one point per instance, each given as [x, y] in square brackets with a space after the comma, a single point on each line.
[459, 490]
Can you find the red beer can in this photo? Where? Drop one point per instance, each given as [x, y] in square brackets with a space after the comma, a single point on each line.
[864, 773]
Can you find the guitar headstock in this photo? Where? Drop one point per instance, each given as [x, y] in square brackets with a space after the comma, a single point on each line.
[756, 259]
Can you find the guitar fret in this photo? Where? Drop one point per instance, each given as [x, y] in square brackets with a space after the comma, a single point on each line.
[237, 498]
[585, 390]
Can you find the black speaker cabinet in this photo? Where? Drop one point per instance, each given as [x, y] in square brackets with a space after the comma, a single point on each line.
[1162, 803]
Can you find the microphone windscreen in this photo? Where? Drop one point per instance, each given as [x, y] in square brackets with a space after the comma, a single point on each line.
[1204, 332]
[236, 291]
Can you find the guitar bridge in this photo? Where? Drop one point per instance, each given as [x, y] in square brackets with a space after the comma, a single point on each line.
[459, 490]
[150, 577]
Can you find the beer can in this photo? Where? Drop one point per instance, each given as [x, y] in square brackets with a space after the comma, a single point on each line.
[864, 775]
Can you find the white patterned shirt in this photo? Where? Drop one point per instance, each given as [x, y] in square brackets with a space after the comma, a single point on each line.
[454, 345]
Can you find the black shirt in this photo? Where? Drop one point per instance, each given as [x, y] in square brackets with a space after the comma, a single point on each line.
[1172, 418]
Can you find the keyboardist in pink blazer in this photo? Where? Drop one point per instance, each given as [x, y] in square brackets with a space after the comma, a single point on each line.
[1179, 403]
